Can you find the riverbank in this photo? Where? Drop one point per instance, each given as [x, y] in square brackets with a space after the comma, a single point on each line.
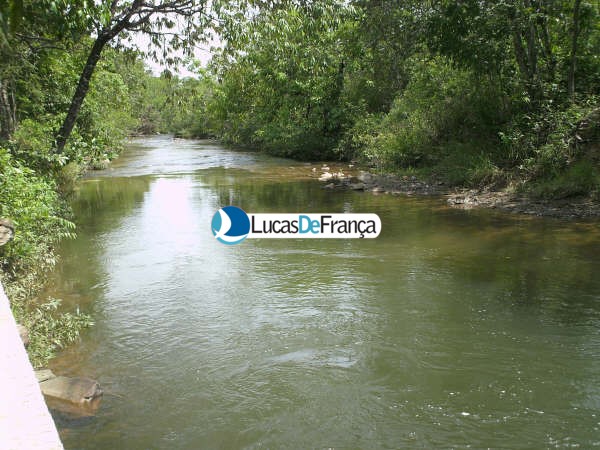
[347, 177]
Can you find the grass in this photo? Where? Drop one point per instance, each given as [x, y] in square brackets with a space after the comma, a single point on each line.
[580, 178]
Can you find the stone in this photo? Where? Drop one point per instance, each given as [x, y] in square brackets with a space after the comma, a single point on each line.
[329, 186]
[44, 374]
[74, 411]
[326, 177]
[378, 190]
[75, 390]
[7, 231]
[23, 334]
[357, 186]
[365, 177]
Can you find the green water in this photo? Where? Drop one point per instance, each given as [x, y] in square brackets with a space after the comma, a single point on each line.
[451, 329]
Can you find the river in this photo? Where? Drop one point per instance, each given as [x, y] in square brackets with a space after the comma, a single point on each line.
[452, 328]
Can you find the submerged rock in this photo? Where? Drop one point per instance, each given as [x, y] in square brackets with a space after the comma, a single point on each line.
[365, 177]
[357, 186]
[44, 374]
[73, 411]
[74, 390]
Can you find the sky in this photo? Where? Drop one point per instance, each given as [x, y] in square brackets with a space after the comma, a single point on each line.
[201, 53]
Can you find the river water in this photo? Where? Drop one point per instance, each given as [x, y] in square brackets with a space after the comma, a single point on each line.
[452, 328]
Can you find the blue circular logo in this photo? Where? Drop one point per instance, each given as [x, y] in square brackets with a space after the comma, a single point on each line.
[230, 225]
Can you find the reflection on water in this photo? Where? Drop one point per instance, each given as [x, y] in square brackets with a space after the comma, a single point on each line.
[452, 328]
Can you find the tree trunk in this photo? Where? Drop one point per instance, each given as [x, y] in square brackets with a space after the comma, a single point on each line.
[572, 65]
[8, 112]
[520, 55]
[546, 41]
[80, 93]
[532, 51]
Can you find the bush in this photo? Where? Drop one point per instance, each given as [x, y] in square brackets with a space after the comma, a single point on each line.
[33, 141]
[469, 164]
[543, 143]
[579, 179]
[440, 105]
[50, 329]
[32, 203]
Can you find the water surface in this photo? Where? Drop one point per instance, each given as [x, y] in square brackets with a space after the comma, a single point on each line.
[452, 328]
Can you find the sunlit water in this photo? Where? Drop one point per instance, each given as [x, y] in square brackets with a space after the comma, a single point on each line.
[452, 328]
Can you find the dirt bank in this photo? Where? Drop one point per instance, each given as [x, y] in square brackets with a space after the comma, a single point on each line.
[348, 178]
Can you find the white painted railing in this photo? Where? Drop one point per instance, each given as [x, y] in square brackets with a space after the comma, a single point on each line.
[25, 422]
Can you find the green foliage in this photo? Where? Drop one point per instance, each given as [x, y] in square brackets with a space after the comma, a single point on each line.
[32, 143]
[282, 81]
[32, 203]
[544, 143]
[184, 110]
[43, 94]
[477, 91]
[359, 141]
[50, 329]
[469, 164]
[579, 179]
[440, 104]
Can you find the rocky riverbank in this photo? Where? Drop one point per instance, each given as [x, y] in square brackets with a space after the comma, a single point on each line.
[567, 208]
[351, 178]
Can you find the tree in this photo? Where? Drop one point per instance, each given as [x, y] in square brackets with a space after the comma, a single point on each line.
[28, 29]
[281, 77]
[573, 59]
[158, 20]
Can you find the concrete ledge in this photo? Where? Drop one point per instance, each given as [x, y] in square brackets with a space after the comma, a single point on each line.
[25, 422]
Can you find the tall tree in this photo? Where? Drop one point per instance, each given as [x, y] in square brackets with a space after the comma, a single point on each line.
[573, 58]
[158, 20]
[27, 30]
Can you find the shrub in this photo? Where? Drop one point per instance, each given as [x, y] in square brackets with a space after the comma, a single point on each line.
[440, 105]
[32, 203]
[32, 142]
[579, 179]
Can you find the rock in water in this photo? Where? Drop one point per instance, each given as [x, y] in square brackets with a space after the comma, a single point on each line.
[44, 374]
[74, 390]
[365, 177]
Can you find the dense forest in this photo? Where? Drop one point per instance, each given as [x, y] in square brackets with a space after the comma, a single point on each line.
[472, 93]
